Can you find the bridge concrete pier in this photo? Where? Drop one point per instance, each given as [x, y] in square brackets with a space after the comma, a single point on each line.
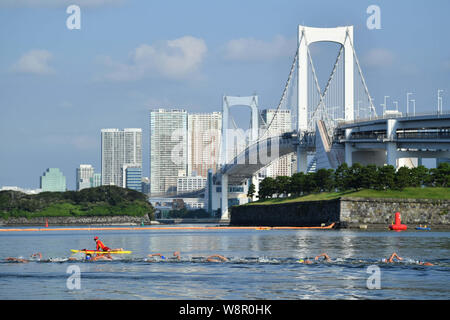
[302, 160]
[348, 148]
[349, 154]
[224, 204]
[255, 182]
[391, 154]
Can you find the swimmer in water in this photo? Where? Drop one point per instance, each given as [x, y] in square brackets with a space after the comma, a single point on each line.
[89, 257]
[20, 260]
[305, 261]
[326, 258]
[395, 256]
[38, 254]
[422, 263]
[176, 256]
[216, 258]
[156, 255]
[391, 258]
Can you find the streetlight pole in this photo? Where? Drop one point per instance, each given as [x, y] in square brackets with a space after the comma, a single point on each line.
[384, 105]
[396, 105]
[440, 101]
[414, 105]
[407, 102]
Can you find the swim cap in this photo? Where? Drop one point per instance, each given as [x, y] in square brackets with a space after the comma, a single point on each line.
[88, 257]
[162, 257]
[301, 260]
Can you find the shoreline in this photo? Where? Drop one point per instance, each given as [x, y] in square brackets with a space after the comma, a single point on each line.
[155, 225]
[67, 221]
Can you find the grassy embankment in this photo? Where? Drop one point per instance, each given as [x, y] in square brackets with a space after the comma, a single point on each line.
[407, 193]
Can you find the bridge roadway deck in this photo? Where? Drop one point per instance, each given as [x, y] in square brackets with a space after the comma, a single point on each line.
[424, 135]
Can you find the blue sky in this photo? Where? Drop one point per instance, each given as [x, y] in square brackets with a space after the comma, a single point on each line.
[59, 87]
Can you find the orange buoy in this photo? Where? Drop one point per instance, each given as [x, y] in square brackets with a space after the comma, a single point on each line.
[398, 226]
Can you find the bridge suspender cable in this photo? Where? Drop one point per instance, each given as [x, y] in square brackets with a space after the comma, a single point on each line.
[322, 95]
[361, 75]
[283, 96]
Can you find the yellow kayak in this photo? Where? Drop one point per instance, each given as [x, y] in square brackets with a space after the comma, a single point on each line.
[100, 252]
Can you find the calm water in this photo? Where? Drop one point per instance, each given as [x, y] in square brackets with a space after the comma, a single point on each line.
[263, 264]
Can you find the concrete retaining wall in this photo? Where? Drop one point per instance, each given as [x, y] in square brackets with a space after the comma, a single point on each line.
[290, 214]
[351, 212]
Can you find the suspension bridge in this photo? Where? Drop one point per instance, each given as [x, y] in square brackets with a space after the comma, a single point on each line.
[332, 125]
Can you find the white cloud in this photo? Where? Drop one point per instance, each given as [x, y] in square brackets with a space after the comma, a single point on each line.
[249, 49]
[35, 61]
[57, 3]
[379, 58]
[174, 59]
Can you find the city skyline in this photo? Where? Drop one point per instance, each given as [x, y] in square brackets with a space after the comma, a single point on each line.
[60, 86]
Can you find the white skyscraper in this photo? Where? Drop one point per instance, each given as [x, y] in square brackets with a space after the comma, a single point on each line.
[84, 175]
[204, 131]
[280, 122]
[168, 149]
[119, 148]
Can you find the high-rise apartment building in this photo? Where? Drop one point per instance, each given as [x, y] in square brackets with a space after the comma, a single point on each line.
[280, 122]
[204, 132]
[96, 180]
[84, 174]
[168, 149]
[53, 180]
[132, 177]
[119, 148]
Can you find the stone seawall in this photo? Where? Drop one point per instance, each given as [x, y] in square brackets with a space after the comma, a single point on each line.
[87, 220]
[356, 211]
[349, 212]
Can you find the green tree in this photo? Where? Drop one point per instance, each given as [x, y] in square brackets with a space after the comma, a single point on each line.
[355, 174]
[342, 177]
[368, 176]
[324, 179]
[420, 176]
[386, 177]
[440, 176]
[310, 183]
[402, 178]
[282, 185]
[298, 183]
[267, 188]
[251, 191]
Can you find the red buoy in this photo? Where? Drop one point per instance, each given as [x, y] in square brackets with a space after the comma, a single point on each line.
[398, 226]
[46, 222]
